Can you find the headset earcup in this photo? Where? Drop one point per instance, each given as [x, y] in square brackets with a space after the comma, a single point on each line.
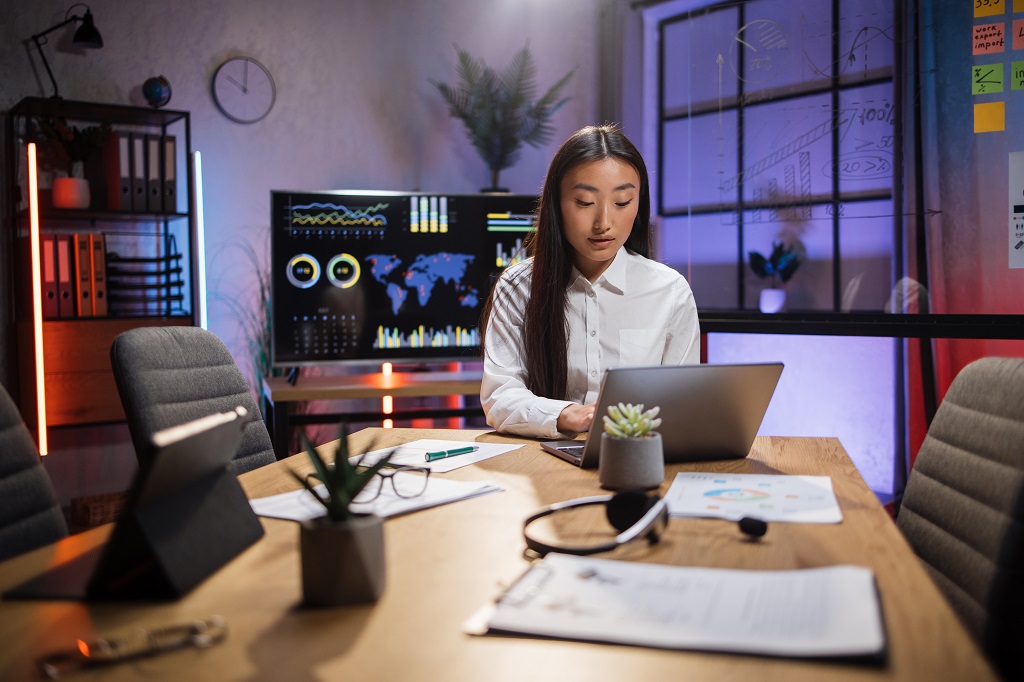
[627, 507]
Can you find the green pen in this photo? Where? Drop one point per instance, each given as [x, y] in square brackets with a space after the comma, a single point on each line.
[441, 454]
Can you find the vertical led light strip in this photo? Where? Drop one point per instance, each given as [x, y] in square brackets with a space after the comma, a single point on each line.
[197, 162]
[387, 405]
[37, 296]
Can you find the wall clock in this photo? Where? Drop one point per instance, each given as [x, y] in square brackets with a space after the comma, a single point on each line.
[243, 89]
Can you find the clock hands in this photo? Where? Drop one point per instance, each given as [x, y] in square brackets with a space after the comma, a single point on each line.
[244, 85]
[241, 86]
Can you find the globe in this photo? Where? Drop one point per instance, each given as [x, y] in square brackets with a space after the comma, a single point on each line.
[157, 91]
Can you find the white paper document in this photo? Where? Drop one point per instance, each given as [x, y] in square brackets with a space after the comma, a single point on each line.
[299, 505]
[817, 612]
[797, 499]
[415, 452]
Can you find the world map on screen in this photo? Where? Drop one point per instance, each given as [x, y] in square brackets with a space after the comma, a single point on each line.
[421, 276]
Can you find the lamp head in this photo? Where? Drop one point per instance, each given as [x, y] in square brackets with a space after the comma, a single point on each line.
[87, 35]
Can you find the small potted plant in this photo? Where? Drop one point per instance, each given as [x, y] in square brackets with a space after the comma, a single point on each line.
[497, 109]
[631, 450]
[779, 266]
[65, 149]
[342, 552]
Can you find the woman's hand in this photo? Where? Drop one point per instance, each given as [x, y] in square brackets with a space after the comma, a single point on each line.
[576, 418]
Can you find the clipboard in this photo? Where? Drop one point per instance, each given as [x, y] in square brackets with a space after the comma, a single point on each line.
[828, 612]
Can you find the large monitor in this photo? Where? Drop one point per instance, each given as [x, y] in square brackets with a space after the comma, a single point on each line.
[363, 276]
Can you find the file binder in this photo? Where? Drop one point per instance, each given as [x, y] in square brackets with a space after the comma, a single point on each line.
[98, 274]
[154, 186]
[170, 158]
[139, 202]
[82, 253]
[65, 283]
[119, 167]
[49, 256]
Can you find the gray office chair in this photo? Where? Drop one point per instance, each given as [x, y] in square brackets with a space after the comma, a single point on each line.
[30, 516]
[167, 376]
[963, 509]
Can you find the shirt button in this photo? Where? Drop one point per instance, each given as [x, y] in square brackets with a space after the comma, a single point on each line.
[593, 374]
[591, 294]
[593, 333]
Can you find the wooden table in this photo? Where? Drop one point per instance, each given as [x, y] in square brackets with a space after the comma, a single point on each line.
[444, 563]
[280, 396]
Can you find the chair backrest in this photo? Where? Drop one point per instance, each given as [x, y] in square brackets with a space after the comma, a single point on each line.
[167, 376]
[963, 508]
[30, 516]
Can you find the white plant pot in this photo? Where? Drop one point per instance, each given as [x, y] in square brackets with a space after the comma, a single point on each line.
[631, 463]
[772, 300]
[71, 193]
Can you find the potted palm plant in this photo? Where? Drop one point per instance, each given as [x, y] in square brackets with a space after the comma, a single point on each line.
[342, 552]
[632, 457]
[65, 149]
[498, 111]
[779, 266]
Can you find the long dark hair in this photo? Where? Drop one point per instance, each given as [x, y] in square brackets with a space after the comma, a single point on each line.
[545, 334]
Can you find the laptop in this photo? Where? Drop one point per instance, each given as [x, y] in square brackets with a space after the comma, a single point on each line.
[185, 515]
[708, 412]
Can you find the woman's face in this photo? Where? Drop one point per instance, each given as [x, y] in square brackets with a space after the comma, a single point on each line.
[600, 200]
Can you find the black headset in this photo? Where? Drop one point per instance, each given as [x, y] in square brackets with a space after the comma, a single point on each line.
[635, 514]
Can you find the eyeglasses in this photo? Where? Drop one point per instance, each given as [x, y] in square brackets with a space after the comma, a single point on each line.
[106, 651]
[406, 481]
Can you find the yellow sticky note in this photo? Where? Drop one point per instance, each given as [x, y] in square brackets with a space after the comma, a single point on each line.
[989, 8]
[989, 117]
[1018, 6]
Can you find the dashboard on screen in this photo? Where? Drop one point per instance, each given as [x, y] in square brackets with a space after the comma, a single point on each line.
[387, 276]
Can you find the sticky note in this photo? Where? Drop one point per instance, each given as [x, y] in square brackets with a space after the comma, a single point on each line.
[986, 79]
[989, 117]
[989, 8]
[1017, 75]
[989, 38]
[1018, 6]
[1018, 34]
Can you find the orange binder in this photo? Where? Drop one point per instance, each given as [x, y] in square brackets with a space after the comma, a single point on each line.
[82, 252]
[98, 274]
[65, 283]
[49, 255]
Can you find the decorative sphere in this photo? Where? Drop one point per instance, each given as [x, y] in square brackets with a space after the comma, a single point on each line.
[157, 91]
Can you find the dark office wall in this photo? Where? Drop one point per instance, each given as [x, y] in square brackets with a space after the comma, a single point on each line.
[354, 110]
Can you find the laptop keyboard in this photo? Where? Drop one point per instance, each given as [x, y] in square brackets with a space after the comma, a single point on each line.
[574, 450]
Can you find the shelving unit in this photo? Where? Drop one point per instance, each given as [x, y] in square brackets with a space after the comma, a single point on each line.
[65, 376]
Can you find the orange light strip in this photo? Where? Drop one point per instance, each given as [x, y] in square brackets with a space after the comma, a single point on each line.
[37, 295]
[387, 405]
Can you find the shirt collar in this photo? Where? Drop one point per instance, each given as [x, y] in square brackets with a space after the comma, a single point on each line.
[615, 276]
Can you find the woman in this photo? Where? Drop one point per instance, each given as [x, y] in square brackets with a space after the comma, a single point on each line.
[589, 298]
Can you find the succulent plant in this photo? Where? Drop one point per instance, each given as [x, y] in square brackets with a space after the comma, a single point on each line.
[631, 421]
[342, 480]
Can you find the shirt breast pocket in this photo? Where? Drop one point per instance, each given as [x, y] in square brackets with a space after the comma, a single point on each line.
[641, 347]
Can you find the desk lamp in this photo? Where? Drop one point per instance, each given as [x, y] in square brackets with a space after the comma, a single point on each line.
[86, 36]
